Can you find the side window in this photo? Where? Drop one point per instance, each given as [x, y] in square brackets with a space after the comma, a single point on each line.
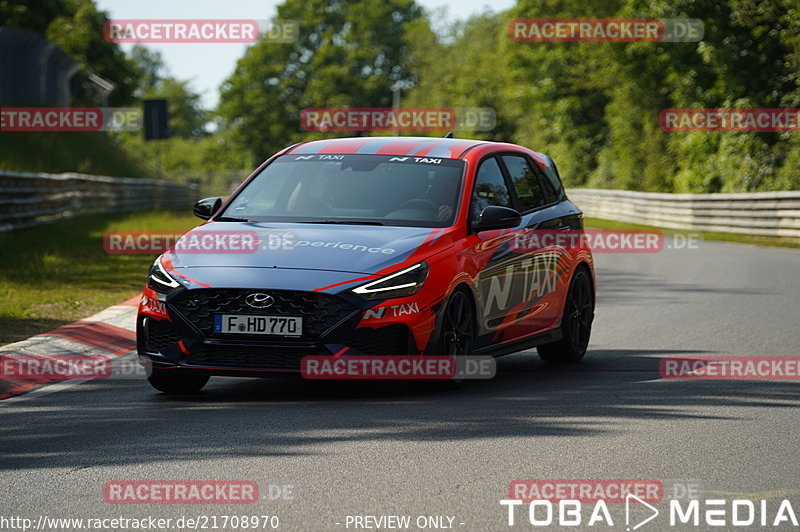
[263, 195]
[550, 193]
[551, 172]
[490, 188]
[525, 182]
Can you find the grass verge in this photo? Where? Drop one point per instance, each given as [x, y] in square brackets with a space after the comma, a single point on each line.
[88, 152]
[55, 274]
[58, 273]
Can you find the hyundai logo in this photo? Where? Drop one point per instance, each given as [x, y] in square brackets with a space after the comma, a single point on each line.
[258, 300]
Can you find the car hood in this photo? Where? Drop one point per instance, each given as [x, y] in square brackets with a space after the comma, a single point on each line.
[321, 247]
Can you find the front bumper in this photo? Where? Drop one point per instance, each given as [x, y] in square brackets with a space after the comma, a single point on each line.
[181, 334]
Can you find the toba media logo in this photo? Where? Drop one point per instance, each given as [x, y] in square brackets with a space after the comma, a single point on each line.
[585, 503]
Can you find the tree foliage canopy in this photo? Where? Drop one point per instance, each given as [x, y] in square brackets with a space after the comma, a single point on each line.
[594, 107]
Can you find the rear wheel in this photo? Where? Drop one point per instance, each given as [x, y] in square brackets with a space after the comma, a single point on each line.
[175, 382]
[576, 323]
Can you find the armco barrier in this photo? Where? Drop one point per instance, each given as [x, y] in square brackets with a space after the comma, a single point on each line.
[28, 199]
[759, 213]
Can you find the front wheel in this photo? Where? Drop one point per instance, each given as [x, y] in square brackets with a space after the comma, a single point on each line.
[176, 382]
[456, 336]
[576, 323]
[458, 326]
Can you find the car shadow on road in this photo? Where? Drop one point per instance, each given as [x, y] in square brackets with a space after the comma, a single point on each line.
[126, 422]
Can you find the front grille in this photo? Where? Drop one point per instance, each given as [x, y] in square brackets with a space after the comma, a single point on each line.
[319, 311]
[242, 356]
[160, 334]
[389, 340]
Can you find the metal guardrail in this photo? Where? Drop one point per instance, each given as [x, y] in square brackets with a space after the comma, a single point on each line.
[29, 199]
[759, 213]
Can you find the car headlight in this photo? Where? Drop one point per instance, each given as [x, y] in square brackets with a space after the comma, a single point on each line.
[399, 284]
[159, 279]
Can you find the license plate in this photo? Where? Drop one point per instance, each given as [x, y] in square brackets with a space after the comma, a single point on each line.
[249, 324]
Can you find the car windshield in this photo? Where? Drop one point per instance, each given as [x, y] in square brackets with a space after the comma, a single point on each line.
[352, 189]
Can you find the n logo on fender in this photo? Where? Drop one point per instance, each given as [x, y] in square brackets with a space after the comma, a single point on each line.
[396, 310]
[528, 281]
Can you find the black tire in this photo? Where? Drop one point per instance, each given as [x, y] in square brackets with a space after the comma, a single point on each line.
[576, 323]
[176, 382]
[457, 314]
[457, 335]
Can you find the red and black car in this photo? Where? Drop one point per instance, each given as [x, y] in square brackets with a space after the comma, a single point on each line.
[371, 246]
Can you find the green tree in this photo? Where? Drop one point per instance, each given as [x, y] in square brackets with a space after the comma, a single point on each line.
[76, 27]
[443, 78]
[557, 93]
[151, 66]
[33, 16]
[349, 53]
[187, 118]
[595, 106]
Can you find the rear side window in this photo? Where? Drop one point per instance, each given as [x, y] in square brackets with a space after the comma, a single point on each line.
[550, 193]
[490, 188]
[525, 182]
[551, 173]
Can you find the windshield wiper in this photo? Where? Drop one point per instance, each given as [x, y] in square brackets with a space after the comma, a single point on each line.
[231, 219]
[342, 222]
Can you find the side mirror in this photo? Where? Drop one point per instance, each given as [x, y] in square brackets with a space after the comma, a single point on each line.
[496, 217]
[205, 208]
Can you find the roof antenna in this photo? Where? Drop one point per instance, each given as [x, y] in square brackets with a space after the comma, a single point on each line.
[448, 135]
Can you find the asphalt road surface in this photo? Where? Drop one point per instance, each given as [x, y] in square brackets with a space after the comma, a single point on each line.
[398, 449]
